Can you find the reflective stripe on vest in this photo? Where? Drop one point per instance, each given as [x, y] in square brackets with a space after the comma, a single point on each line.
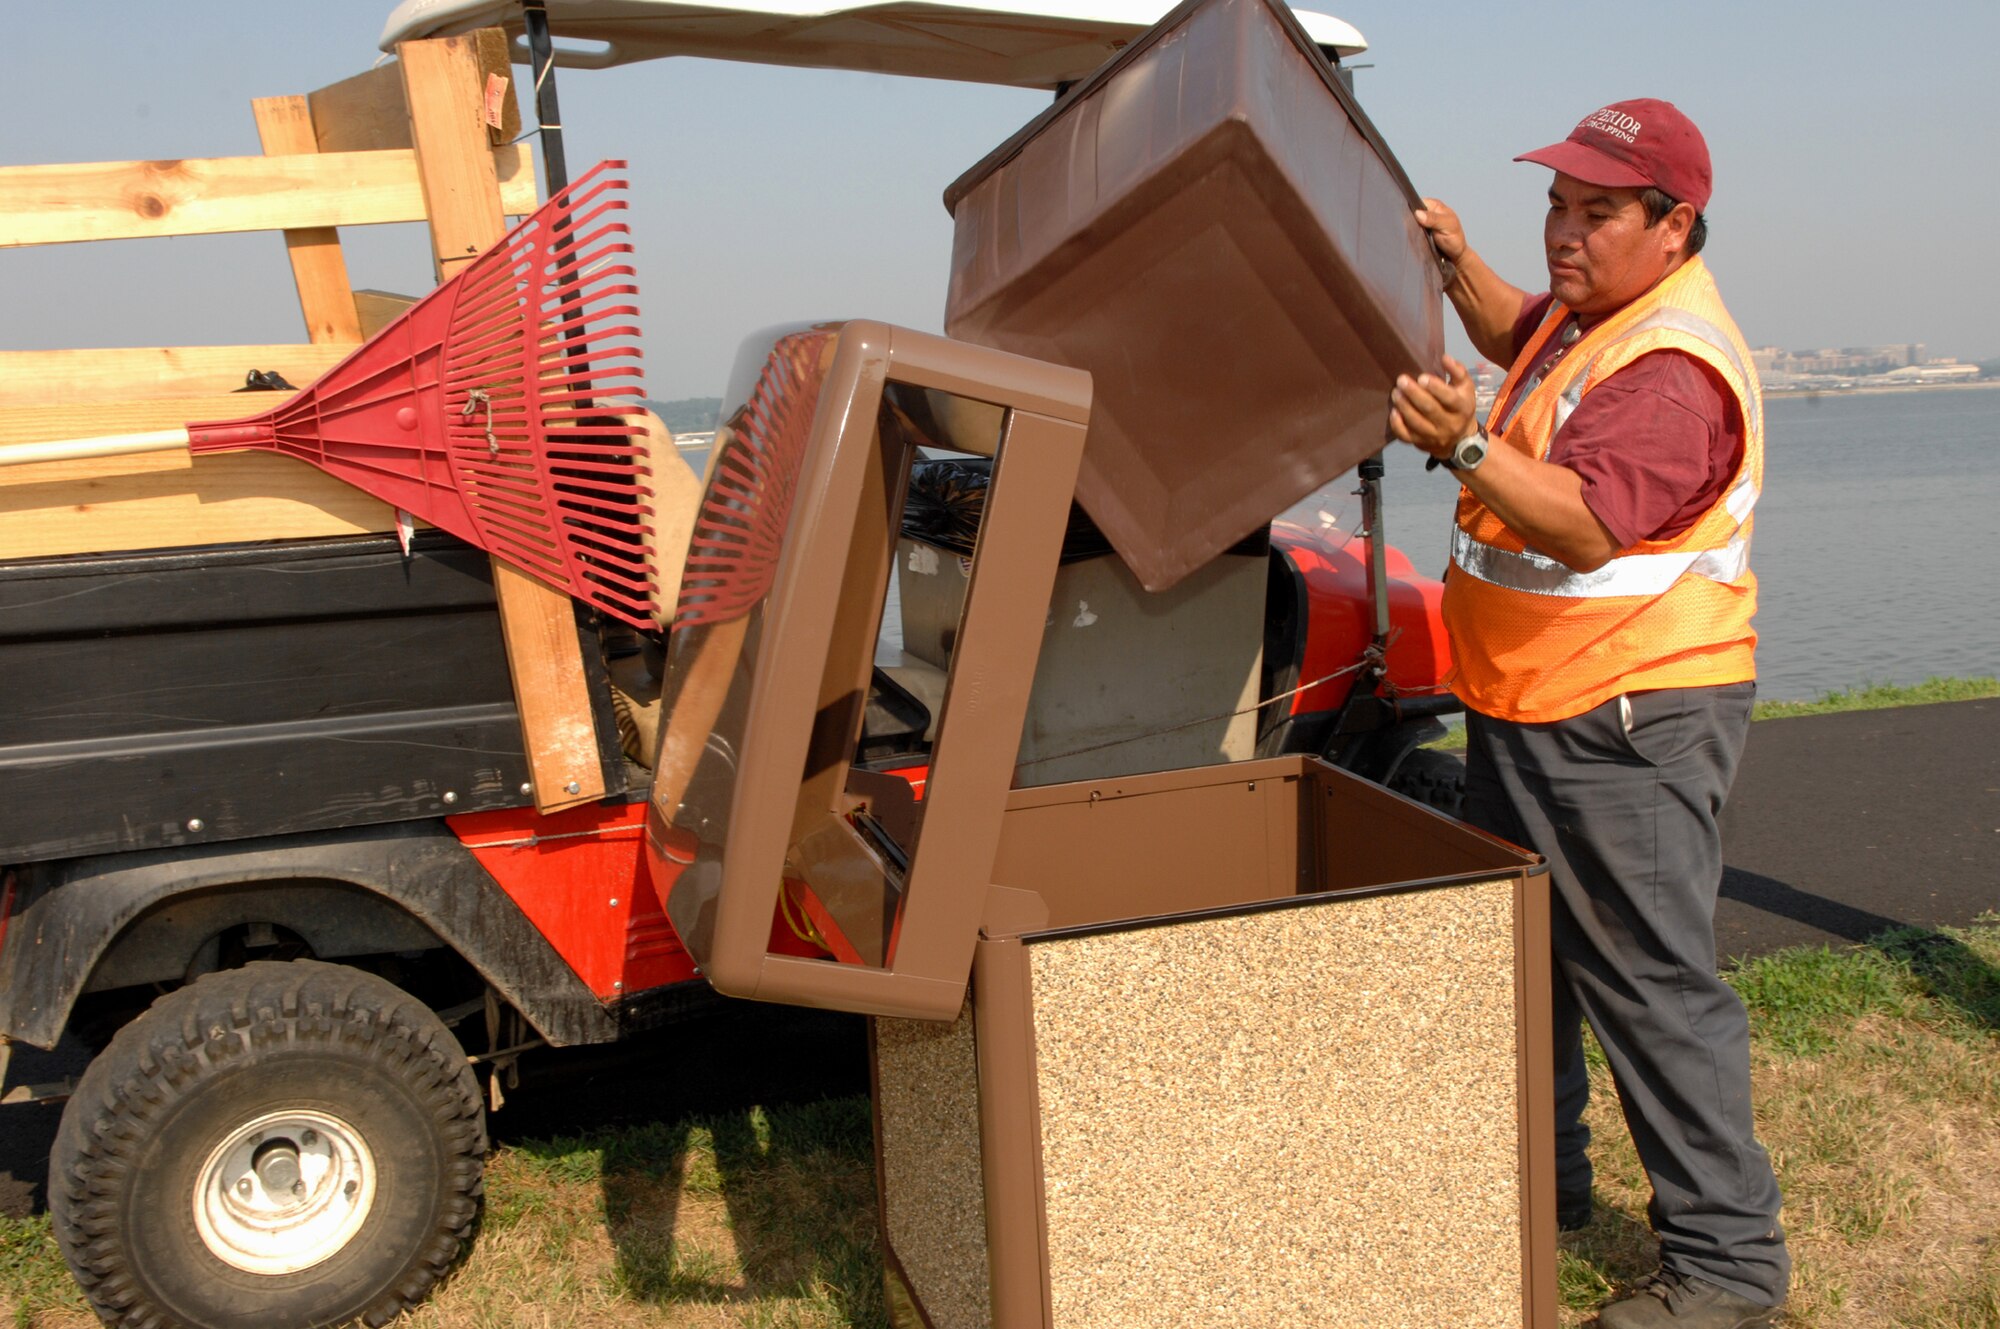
[1630, 574]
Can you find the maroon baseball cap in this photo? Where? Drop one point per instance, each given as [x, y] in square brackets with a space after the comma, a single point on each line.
[1632, 145]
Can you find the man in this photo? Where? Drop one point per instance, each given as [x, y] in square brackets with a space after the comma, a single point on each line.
[1599, 604]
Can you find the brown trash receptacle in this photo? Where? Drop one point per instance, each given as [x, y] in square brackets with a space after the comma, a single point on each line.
[1212, 228]
[1276, 1056]
[1236, 1038]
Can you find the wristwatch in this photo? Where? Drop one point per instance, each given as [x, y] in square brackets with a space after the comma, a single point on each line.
[1468, 452]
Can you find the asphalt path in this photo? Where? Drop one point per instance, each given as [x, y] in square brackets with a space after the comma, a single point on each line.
[1844, 826]
[1841, 827]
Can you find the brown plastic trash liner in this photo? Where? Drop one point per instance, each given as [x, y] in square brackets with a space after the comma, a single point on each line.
[770, 660]
[1211, 227]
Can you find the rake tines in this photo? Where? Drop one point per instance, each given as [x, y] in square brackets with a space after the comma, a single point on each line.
[539, 362]
[733, 553]
[496, 407]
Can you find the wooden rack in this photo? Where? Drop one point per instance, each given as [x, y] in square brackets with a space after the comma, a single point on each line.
[429, 138]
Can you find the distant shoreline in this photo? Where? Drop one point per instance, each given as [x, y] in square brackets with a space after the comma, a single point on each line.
[1484, 402]
[1881, 390]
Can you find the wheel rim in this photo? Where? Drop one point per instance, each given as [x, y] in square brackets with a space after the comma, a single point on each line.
[284, 1192]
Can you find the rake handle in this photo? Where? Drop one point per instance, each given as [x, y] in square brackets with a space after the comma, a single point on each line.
[197, 438]
[108, 445]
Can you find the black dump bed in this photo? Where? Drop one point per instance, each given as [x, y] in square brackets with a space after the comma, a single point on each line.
[184, 696]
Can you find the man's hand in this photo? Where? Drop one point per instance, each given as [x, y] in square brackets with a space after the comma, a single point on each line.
[1540, 501]
[1433, 413]
[1486, 305]
[1447, 233]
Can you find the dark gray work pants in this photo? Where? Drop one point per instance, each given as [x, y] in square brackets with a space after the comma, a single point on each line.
[1627, 820]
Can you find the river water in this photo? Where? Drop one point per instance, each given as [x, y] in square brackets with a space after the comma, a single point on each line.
[1877, 551]
[1875, 547]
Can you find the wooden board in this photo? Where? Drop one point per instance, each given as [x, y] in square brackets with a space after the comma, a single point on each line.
[165, 499]
[378, 309]
[34, 424]
[674, 493]
[43, 205]
[120, 504]
[362, 114]
[368, 111]
[546, 657]
[442, 80]
[98, 377]
[284, 126]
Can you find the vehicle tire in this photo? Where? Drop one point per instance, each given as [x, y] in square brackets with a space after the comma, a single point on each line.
[1435, 779]
[283, 1144]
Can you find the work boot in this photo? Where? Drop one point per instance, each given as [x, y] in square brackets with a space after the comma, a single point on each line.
[1670, 1300]
[1574, 1212]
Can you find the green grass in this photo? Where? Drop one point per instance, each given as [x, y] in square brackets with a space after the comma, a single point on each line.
[1876, 1083]
[1804, 998]
[1877, 1087]
[1881, 696]
[34, 1281]
[1807, 999]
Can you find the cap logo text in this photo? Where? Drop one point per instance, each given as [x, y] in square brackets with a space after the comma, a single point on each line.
[1615, 123]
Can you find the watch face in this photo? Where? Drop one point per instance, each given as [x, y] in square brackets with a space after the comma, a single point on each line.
[1470, 453]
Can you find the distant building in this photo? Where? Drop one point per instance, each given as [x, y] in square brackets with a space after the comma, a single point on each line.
[1944, 371]
[1486, 380]
[1854, 366]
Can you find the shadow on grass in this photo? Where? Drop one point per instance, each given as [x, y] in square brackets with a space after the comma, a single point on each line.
[749, 1206]
[734, 1158]
[1942, 966]
[1605, 1259]
[1948, 971]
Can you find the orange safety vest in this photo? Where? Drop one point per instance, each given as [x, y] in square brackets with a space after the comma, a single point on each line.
[1532, 639]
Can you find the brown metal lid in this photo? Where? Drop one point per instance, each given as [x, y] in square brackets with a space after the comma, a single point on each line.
[1212, 227]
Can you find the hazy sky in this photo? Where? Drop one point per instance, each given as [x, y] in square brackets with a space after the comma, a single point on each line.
[1856, 147]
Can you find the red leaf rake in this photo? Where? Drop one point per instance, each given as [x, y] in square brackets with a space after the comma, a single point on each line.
[500, 407]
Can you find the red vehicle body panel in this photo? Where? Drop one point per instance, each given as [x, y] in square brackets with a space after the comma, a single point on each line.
[1339, 622]
[582, 878]
[582, 881]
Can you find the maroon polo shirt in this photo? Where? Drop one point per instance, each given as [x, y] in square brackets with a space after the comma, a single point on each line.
[1655, 444]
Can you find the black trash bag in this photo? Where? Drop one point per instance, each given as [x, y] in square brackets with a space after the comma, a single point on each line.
[947, 497]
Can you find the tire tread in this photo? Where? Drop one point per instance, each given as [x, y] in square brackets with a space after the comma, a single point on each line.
[1435, 779]
[216, 1022]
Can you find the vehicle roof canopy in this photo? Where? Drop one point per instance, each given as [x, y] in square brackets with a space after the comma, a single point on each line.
[974, 41]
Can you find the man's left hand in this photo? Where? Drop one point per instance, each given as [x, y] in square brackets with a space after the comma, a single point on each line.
[1433, 413]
